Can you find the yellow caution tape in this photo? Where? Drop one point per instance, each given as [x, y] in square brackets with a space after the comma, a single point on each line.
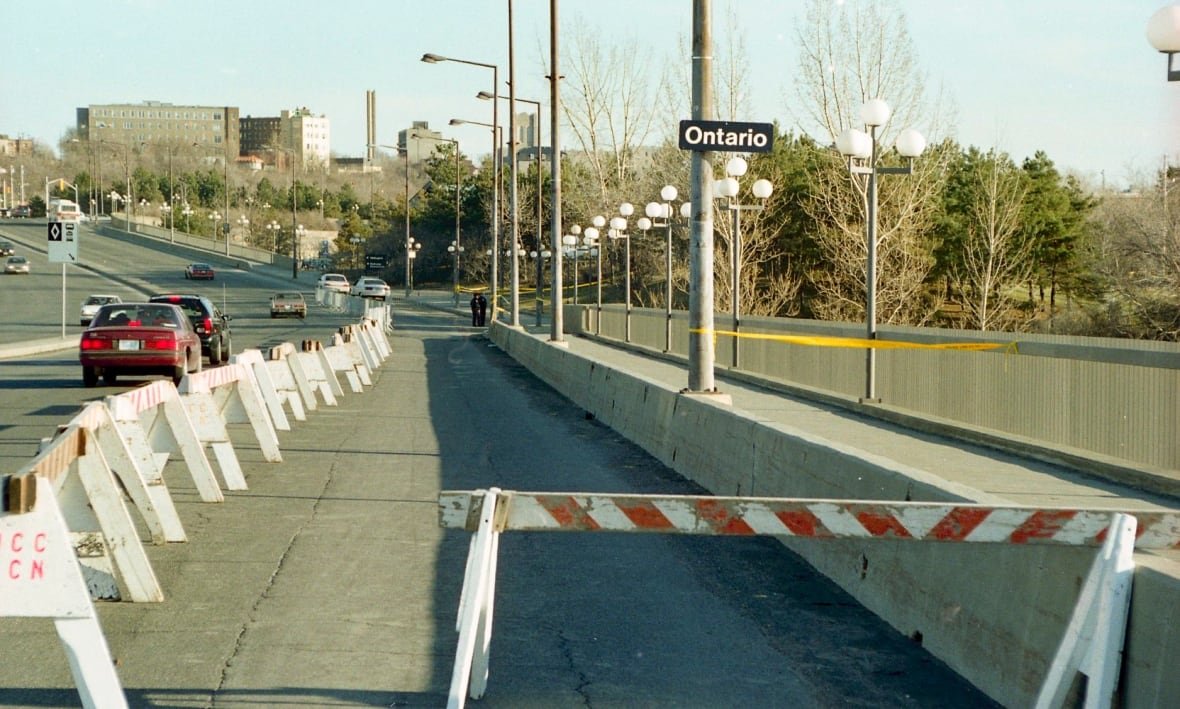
[860, 343]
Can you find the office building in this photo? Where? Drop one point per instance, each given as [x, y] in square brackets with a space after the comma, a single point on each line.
[160, 122]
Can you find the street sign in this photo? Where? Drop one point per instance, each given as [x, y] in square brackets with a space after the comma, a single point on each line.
[63, 242]
[374, 262]
[726, 136]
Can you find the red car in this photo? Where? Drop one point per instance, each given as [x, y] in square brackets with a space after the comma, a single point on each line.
[138, 338]
[198, 271]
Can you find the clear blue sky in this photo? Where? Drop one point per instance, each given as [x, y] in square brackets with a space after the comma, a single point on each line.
[1075, 78]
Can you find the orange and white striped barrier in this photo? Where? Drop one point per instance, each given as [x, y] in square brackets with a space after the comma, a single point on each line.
[1092, 643]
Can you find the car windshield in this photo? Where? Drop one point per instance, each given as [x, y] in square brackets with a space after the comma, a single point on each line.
[100, 300]
[16, 259]
[136, 316]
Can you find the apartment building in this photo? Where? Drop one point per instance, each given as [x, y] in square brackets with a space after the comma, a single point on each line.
[160, 122]
[299, 133]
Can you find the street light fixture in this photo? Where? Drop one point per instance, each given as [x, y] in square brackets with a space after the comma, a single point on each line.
[730, 189]
[592, 234]
[412, 249]
[1163, 32]
[484, 95]
[456, 249]
[187, 212]
[862, 152]
[274, 228]
[297, 246]
[495, 126]
[244, 224]
[216, 217]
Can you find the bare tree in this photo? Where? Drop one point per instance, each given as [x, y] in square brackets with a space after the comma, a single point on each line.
[993, 260]
[849, 54]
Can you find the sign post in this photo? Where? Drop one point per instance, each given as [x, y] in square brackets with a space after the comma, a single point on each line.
[63, 249]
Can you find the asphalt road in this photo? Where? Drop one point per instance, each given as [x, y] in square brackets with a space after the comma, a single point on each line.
[329, 583]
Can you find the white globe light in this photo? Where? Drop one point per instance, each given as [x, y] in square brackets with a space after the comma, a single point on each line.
[626, 209]
[762, 189]
[875, 112]
[668, 193]
[618, 223]
[736, 167]
[855, 143]
[910, 143]
[1163, 29]
[729, 187]
[653, 209]
[591, 233]
[575, 230]
[686, 210]
[599, 221]
[569, 240]
[643, 223]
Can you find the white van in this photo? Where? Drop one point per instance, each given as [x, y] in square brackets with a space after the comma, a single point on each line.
[63, 210]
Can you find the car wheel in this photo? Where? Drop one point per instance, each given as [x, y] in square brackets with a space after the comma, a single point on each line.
[215, 350]
[226, 349]
[109, 376]
[198, 363]
[178, 374]
[186, 275]
[89, 377]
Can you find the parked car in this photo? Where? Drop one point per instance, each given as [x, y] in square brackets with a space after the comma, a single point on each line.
[288, 303]
[211, 324]
[91, 305]
[138, 338]
[369, 287]
[198, 271]
[22, 211]
[333, 281]
[16, 264]
[7, 248]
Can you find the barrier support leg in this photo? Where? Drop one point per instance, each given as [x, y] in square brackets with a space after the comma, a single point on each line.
[476, 604]
[1093, 642]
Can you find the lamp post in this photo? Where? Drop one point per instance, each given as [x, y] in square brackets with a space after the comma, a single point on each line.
[484, 95]
[187, 212]
[862, 152]
[618, 230]
[571, 242]
[1163, 32]
[495, 126]
[663, 210]
[216, 217]
[592, 234]
[356, 253]
[730, 189]
[297, 247]
[244, 224]
[274, 228]
[456, 249]
[412, 248]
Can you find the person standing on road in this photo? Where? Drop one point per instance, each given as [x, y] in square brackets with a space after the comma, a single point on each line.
[483, 310]
[475, 310]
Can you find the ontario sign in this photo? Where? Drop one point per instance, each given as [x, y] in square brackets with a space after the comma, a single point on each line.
[726, 136]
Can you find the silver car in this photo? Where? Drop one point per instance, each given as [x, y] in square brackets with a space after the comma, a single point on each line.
[91, 305]
[16, 264]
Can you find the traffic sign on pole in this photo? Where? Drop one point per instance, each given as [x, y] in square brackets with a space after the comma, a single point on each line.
[62, 242]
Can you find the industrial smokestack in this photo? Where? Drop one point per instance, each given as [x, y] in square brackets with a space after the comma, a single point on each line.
[370, 126]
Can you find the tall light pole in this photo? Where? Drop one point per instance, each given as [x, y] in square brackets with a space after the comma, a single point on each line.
[456, 249]
[484, 95]
[730, 189]
[663, 210]
[557, 323]
[862, 151]
[592, 234]
[274, 228]
[1163, 32]
[571, 242]
[435, 59]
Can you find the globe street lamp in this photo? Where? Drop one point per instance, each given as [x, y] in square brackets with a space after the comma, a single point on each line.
[730, 188]
[663, 210]
[297, 247]
[618, 230]
[1163, 32]
[862, 152]
[592, 234]
[455, 249]
[412, 248]
[274, 228]
[187, 212]
[570, 242]
[244, 225]
[215, 217]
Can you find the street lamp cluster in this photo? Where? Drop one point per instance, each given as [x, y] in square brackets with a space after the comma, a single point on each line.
[1163, 32]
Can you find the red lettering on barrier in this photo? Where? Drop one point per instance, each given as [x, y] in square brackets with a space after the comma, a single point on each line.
[14, 569]
[40, 542]
[26, 561]
[38, 571]
[17, 543]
